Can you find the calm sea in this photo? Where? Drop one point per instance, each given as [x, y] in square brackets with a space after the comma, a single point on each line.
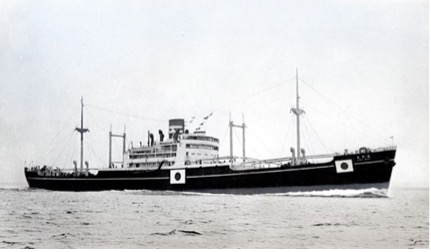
[142, 219]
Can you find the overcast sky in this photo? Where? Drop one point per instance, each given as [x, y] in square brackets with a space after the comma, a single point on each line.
[363, 69]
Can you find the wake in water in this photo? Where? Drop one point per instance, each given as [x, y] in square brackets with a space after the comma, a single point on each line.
[168, 193]
[335, 193]
[338, 193]
[12, 188]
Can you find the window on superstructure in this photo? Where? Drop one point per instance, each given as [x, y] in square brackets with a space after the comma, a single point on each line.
[201, 146]
[203, 138]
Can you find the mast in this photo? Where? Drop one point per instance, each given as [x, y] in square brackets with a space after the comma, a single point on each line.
[231, 140]
[110, 147]
[298, 133]
[82, 131]
[297, 111]
[243, 139]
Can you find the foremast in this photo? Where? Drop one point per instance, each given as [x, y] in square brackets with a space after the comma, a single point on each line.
[81, 130]
[297, 111]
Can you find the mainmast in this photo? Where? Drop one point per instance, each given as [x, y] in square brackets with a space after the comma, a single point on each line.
[297, 111]
[82, 131]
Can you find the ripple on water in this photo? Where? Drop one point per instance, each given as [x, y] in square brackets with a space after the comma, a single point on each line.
[313, 220]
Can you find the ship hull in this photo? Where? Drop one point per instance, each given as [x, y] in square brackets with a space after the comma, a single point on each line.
[371, 170]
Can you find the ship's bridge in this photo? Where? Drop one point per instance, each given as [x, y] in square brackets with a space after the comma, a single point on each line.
[200, 145]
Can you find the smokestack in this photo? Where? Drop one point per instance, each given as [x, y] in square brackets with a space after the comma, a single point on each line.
[176, 125]
[151, 139]
[175, 136]
[161, 135]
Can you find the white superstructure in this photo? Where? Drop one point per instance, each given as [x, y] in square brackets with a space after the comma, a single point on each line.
[180, 150]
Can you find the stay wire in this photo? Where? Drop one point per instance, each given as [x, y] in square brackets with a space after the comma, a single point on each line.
[343, 110]
[61, 145]
[288, 133]
[308, 137]
[64, 147]
[90, 147]
[70, 158]
[333, 119]
[125, 114]
[236, 137]
[260, 142]
[48, 149]
[93, 122]
[225, 133]
[308, 123]
[260, 92]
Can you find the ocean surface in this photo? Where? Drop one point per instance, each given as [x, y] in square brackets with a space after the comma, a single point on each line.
[31, 218]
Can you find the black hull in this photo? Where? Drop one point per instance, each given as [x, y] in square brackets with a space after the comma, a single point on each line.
[369, 170]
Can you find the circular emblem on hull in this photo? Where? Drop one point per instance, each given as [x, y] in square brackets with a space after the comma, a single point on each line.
[177, 176]
[344, 166]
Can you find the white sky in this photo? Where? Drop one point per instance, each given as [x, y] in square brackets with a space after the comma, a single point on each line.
[158, 60]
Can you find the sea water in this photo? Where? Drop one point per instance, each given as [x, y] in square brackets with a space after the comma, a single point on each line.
[32, 218]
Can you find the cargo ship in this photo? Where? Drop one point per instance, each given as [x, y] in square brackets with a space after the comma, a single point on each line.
[189, 162]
